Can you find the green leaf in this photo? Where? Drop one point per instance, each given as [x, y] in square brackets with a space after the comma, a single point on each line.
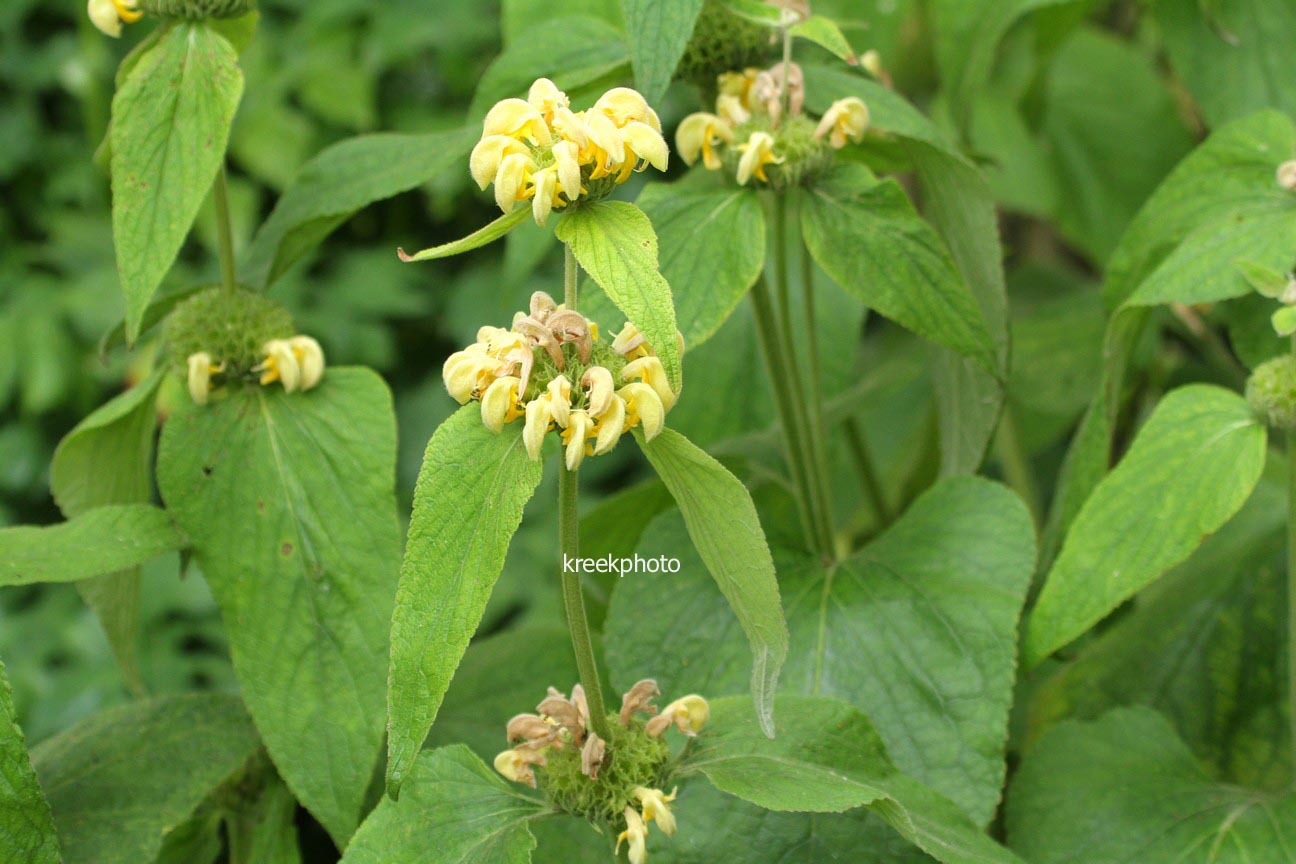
[467, 505]
[962, 208]
[118, 782]
[825, 33]
[725, 530]
[1229, 176]
[918, 629]
[99, 541]
[454, 810]
[350, 175]
[1126, 786]
[27, 833]
[1103, 180]
[108, 459]
[171, 122]
[1189, 470]
[573, 50]
[828, 758]
[289, 501]
[710, 235]
[1231, 56]
[1269, 283]
[968, 33]
[614, 242]
[658, 31]
[486, 234]
[866, 235]
[1204, 267]
[1200, 645]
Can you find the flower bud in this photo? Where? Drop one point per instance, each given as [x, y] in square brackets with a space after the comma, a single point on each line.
[197, 10]
[1287, 175]
[1271, 390]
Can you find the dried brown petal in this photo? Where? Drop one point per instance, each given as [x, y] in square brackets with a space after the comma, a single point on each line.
[639, 699]
[592, 756]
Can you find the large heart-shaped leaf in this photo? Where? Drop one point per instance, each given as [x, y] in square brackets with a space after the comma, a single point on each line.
[1125, 789]
[455, 810]
[118, 782]
[289, 501]
[918, 630]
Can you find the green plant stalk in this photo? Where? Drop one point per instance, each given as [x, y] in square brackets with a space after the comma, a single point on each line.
[569, 547]
[239, 828]
[767, 335]
[1016, 466]
[815, 408]
[810, 453]
[867, 471]
[224, 233]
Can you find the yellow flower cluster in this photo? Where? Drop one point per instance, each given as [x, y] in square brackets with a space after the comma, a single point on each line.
[537, 149]
[552, 369]
[562, 722]
[109, 15]
[297, 363]
[749, 110]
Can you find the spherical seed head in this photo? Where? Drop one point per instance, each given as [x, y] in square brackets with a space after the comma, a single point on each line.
[634, 760]
[722, 42]
[1271, 390]
[232, 329]
[196, 10]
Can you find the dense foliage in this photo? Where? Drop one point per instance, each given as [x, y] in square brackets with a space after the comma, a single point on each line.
[921, 379]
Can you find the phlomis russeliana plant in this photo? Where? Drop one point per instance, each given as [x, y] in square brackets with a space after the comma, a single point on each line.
[944, 390]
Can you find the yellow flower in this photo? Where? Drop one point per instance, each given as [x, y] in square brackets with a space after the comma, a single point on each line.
[702, 133]
[516, 764]
[544, 193]
[518, 119]
[846, 119]
[578, 428]
[559, 395]
[567, 163]
[606, 147]
[310, 359]
[739, 85]
[513, 181]
[643, 407]
[499, 404]
[636, 834]
[654, 803]
[201, 370]
[539, 416]
[609, 426]
[484, 163]
[732, 110]
[467, 372]
[756, 154]
[645, 145]
[689, 715]
[546, 98]
[598, 383]
[280, 365]
[109, 15]
[630, 343]
[651, 372]
[624, 105]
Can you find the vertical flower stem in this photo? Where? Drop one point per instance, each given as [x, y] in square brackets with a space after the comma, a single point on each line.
[569, 547]
[224, 233]
[815, 406]
[239, 828]
[767, 334]
[810, 453]
[867, 470]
